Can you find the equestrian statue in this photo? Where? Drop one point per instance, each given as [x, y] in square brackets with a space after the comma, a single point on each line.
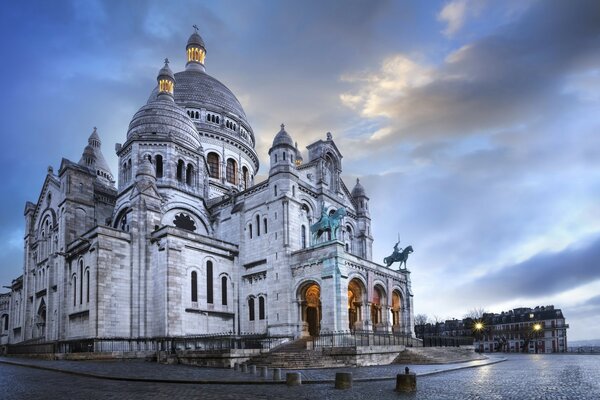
[398, 255]
[327, 223]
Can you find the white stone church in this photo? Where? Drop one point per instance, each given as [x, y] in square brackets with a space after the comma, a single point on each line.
[182, 240]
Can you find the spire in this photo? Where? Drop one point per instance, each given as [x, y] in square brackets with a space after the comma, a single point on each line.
[166, 82]
[93, 159]
[196, 51]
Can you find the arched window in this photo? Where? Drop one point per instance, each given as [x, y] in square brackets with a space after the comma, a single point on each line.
[224, 290]
[275, 190]
[265, 225]
[303, 236]
[87, 285]
[74, 290]
[231, 171]
[5, 323]
[180, 170]
[213, 165]
[275, 157]
[251, 309]
[250, 230]
[284, 156]
[245, 177]
[257, 225]
[81, 284]
[159, 166]
[261, 307]
[189, 174]
[194, 286]
[197, 115]
[209, 282]
[129, 169]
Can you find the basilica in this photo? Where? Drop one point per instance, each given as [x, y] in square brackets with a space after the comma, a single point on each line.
[183, 239]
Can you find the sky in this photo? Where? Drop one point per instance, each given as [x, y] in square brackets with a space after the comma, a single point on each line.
[474, 125]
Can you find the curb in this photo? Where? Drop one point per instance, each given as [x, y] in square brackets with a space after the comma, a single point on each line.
[226, 382]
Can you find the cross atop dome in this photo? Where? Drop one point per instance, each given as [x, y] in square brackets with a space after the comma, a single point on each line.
[195, 27]
[282, 127]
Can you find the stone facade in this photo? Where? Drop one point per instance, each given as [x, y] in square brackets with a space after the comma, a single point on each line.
[186, 243]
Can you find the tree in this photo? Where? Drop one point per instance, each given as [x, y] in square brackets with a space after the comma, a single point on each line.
[420, 322]
[476, 313]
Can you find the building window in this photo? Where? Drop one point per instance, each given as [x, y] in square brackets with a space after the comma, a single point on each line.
[224, 290]
[209, 282]
[265, 225]
[303, 236]
[87, 285]
[81, 284]
[261, 307]
[251, 308]
[180, 170]
[194, 286]
[5, 323]
[159, 166]
[213, 165]
[74, 290]
[231, 171]
[189, 175]
[250, 230]
[257, 225]
[275, 191]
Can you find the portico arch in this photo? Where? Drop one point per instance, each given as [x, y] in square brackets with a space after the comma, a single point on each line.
[356, 299]
[396, 311]
[378, 305]
[309, 295]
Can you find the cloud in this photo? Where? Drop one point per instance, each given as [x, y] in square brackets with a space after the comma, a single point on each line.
[454, 15]
[542, 275]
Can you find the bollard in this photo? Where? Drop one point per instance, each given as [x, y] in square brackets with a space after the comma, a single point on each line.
[293, 379]
[262, 372]
[406, 382]
[343, 380]
[236, 367]
[244, 368]
[277, 374]
[252, 369]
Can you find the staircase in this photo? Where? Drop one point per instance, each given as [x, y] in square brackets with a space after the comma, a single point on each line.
[294, 355]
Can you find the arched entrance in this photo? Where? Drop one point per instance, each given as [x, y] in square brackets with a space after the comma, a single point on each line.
[40, 319]
[396, 307]
[355, 301]
[377, 306]
[310, 295]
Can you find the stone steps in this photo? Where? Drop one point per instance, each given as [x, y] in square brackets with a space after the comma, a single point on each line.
[294, 355]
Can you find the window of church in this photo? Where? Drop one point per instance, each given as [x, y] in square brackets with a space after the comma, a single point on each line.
[6, 323]
[213, 165]
[81, 284]
[209, 282]
[180, 170]
[251, 309]
[303, 236]
[224, 290]
[250, 230]
[194, 286]
[189, 175]
[265, 225]
[184, 221]
[245, 177]
[261, 307]
[74, 290]
[159, 166]
[231, 171]
[275, 157]
[87, 285]
[257, 225]
[275, 191]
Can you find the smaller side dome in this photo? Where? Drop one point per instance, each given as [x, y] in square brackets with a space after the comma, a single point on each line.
[195, 40]
[358, 190]
[166, 82]
[283, 138]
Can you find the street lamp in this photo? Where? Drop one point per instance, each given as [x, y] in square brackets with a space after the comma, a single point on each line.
[537, 327]
[478, 327]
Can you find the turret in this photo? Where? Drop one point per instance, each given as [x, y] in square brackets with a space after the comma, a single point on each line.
[283, 154]
[196, 52]
[93, 159]
[166, 82]
[363, 236]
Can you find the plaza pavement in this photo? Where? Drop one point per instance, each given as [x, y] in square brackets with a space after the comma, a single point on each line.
[143, 371]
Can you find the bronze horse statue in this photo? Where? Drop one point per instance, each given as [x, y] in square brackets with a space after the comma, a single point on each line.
[397, 255]
[329, 223]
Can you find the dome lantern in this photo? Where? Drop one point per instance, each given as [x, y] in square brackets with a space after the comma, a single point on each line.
[196, 52]
[166, 82]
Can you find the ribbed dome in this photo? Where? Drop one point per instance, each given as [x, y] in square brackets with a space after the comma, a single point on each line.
[197, 88]
[166, 71]
[358, 190]
[163, 118]
[283, 138]
[196, 40]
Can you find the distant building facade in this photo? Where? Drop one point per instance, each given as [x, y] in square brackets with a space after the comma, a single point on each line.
[522, 330]
[186, 243]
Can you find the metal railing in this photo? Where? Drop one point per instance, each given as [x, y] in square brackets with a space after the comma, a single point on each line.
[447, 341]
[354, 339]
[213, 342]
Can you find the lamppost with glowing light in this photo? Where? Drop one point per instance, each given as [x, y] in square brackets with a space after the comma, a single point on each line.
[478, 328]
[537, 327]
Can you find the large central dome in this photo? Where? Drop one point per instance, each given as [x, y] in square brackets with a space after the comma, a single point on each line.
[197, 88]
